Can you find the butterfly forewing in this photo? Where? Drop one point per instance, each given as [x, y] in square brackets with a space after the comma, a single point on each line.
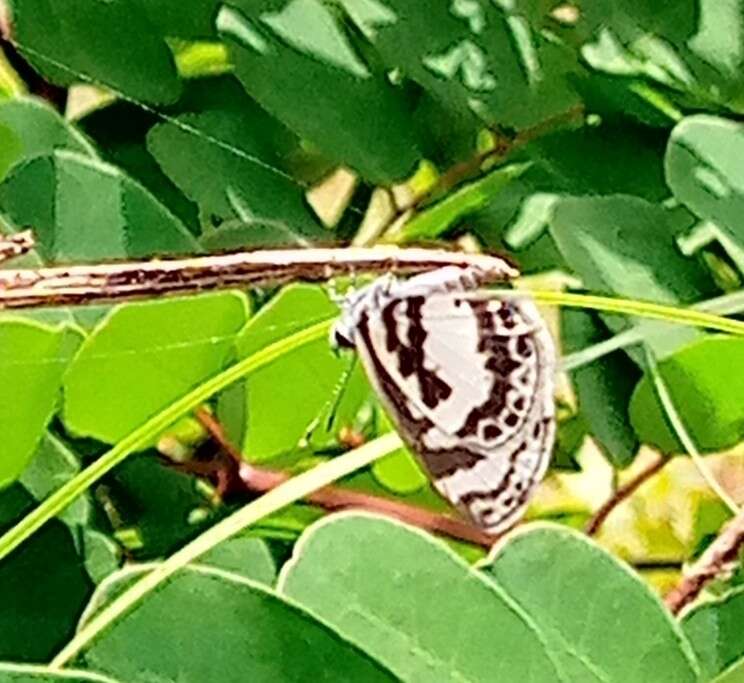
[469, 384]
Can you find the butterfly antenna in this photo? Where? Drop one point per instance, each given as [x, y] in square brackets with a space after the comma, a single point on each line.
[338, 393]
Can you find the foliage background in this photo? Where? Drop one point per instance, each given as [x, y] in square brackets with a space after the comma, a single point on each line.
[598, 144]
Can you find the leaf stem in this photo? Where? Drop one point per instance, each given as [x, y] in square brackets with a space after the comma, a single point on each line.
[675, 420]
[144, 434]
[623, 493]
[644, 309]
[259, 479]
[292, 490]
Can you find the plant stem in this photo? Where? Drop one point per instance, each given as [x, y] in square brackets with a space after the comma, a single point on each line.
[622, 493]
[147, 432]
[261, 480]
[291, 491]
[717, 560]
[85, 284]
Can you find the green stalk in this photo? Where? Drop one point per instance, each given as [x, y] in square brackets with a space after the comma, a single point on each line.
[149, 430]
[290, 491]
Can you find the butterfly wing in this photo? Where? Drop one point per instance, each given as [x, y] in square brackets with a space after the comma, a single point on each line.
[469, 384]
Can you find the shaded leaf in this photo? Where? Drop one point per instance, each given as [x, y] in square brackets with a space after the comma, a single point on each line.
[228, 168]
[296, 62]
[623, 633]
[43, 588]
[704, 168]
[261, 637]
[381, 598]
[603, 387]
[714, 630]
[83, 209]
[483, 61]
[111, 42]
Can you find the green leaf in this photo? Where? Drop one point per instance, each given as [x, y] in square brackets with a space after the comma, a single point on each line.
[476, 59]
[579, 162]
[596, 618]
[299, 65]
[399, 472]
[433, 222]
[603, 388]
[26, 673]
[241, 557]
[174, 18]
[143, 356]
[400, 594]
[158, 504]
[11, 149]
[110, 42]
[704, 380]
[245, 556]
[261, 637]
[119, 131]
[40, 130]
[83, 209]
[278, 420]
[605, 241]
[714, 630]
[43, 589]
[52, 465]
[230, 170]
[33, 359]
[704, 167]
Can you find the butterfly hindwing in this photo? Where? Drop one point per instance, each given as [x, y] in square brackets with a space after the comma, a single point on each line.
[468, 383]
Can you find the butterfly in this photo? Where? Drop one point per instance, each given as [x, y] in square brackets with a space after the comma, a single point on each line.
[467, 380]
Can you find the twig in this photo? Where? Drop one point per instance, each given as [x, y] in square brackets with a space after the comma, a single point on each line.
[471, 167]
[85, 284]
[260, 480]
[718, 560]
[622, 493]
[15, 245]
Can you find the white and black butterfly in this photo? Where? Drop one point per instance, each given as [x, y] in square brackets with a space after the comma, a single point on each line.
[467, 380]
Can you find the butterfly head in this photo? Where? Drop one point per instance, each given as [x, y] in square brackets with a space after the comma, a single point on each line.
[356, 302]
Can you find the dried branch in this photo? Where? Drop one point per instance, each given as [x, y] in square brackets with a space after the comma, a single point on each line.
[717, 561]
[470, 168]
[85, 284]
[259, 480]
[15, 245]
[622, 493]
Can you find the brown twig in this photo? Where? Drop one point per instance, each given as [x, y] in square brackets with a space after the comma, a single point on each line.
[469, 168]
[260, 480]
[15, 245]
[85, 284]
[718, 560]
[622, 493]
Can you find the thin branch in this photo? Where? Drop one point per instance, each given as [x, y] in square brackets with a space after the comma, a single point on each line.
[85, 284]
[470, 168]
[718, 560]
[260, 480]
[623, 493]
[15, 245]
